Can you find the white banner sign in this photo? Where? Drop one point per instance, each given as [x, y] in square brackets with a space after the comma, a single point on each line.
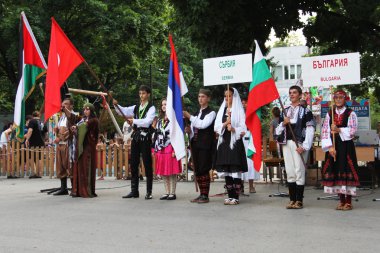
[227, 70]
[335, 69]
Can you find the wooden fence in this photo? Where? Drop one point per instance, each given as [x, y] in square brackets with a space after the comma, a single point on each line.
[112, 160]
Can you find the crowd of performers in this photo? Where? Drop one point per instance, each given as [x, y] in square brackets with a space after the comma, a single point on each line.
[217, 140]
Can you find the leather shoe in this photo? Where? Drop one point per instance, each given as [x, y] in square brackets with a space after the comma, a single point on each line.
[165, 196]
[196, 199]
[131, 195]
[61, 192]
[298, 205]
[149, 195]
[172, 197]
[290, 205]
[203, 199]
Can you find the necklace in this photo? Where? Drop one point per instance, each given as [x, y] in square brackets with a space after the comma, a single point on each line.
[163, 125]
[142, 110]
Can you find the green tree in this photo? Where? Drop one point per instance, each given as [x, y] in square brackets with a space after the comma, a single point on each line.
[223, 27]
[292, 39]
[351, 26]
[230, 27]
[117, 38]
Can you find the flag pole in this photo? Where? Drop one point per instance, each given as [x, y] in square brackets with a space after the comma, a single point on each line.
[113, 119]
[42, 109]
[194, 173]
[332, 117]
[109, 95]
[292, 133]
[103, 87]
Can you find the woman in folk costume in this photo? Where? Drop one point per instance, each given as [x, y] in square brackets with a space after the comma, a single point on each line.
[87, 131]
[340, 170]
[231, 160]
[252, 175]
[167, 165]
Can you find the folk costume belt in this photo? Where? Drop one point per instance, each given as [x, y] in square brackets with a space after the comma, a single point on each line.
[141, 134]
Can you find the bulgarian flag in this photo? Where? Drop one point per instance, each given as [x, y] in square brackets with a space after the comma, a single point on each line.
[32, 66]
[262, 91]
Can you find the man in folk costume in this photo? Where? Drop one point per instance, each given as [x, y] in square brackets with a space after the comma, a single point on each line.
[301, 121]
[340, 170]
[202, 144]
[141, 118]
[65, 147]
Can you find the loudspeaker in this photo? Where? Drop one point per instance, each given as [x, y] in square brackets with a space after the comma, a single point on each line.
[365, 175]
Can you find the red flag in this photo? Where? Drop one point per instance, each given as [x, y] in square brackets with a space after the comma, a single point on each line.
[63, 59]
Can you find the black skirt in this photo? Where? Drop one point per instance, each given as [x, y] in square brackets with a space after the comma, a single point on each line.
[343, 171]
[231, 160]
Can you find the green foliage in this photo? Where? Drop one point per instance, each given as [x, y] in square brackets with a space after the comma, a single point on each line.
[5, 103]
[117, 38]
[219, 28]
[106, 124]
[126, 41]
[229, 27]
[375, 111]
[350, 26]
[291, 40]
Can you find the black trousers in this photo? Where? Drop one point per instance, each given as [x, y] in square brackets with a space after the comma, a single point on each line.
[142, 147]
[202, 160]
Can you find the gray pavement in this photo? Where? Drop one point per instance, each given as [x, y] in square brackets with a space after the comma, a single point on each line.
[35, 222]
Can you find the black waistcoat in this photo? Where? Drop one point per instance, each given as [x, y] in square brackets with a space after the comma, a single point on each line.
[205, 137]
[136, 113]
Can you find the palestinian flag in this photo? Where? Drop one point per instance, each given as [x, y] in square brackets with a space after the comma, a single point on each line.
[32, 66]
[262, 91]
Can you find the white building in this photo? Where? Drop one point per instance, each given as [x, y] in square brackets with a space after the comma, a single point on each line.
[288, 64]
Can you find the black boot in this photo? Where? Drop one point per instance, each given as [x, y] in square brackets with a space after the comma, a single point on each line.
[299, 192]
[134, 189]
[230, 188]
[149, 186]
[63, 190]
[237, 186]
[292, 195]
[132, 195]
[148, 195]
[299, 197]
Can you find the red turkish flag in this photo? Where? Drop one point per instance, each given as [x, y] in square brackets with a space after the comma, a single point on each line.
[63, 59]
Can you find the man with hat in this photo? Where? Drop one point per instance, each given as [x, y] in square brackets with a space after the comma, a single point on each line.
[64, 144]
[202, 143]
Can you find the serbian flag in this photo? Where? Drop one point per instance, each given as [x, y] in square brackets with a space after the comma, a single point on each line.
[63, 59]
[176, 89]
[32, 66]
[262, 91]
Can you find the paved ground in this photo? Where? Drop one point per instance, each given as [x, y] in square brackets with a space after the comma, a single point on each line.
[34, 222]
